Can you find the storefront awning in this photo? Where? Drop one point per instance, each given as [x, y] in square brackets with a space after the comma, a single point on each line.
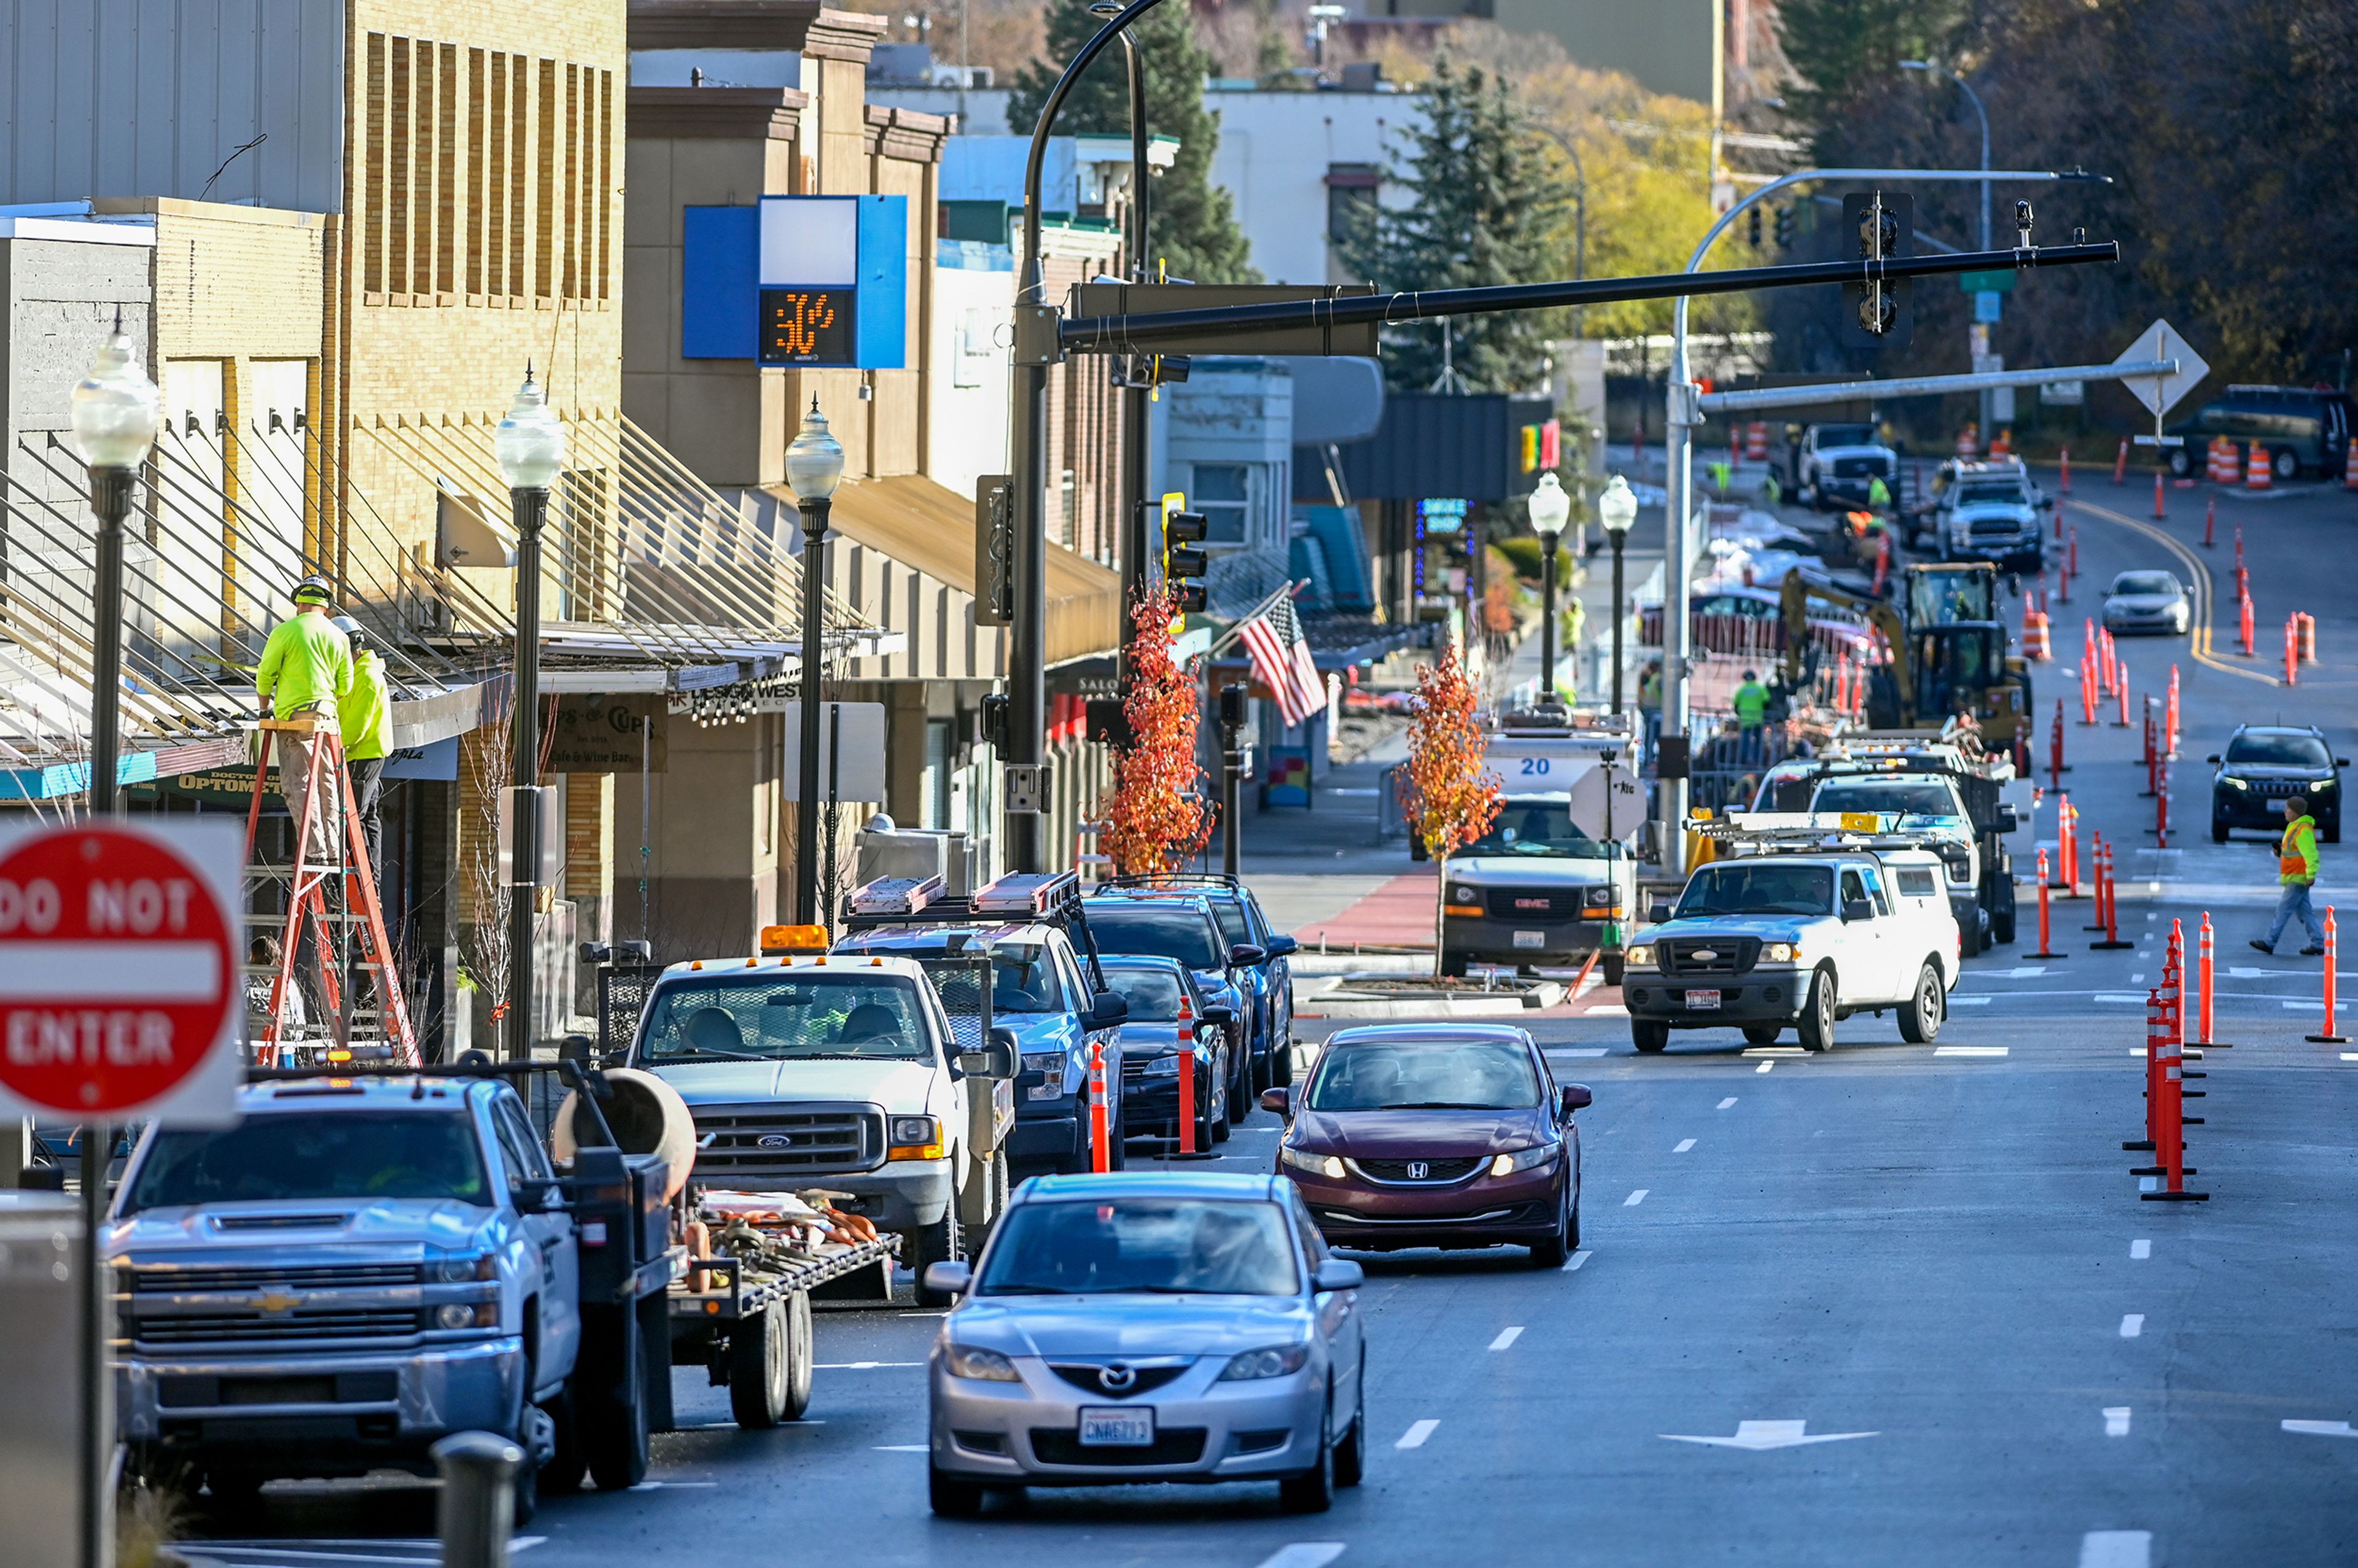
[906, 563]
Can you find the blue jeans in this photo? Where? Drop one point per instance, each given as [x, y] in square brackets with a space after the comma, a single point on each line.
[2292, 900]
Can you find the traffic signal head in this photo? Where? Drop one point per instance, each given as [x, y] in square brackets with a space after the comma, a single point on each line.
[1785, 228]
[1184, 568]
[1233, 698]
[1753, 227]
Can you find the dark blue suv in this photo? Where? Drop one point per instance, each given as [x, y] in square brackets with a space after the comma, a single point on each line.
[1230, 946]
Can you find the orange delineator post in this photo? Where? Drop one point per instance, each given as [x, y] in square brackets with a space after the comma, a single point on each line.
[1186, 1093]
[2203, 974]
[2350, 465]
[2291, 654]
[2332, 947]
[2174, 969]
[2072, 552]
[2169, 1120]
[2112, 939]
[2046, 947]
[2055, 769]
[2152, 757]
[2160, 512]
[2170, 717]
[2153, 1028]
[1100, 1134]
[2096, 857]
[2063, 482]
[2211, 523]
[2308, 626]
[2243, 612]
[2121, 464]
[2122, 693]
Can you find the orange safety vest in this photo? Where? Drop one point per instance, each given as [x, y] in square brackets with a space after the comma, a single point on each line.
[2296, 852]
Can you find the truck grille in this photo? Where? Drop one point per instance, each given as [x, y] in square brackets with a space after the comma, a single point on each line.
[252, 1328]
[1995, 527]
[169, 1281]
[1729, 954]
[1533, 906]
[771, 1142]
[1435, 1172]
[1859, 468]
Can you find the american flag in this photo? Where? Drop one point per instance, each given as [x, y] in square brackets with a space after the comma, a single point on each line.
[1282, 660]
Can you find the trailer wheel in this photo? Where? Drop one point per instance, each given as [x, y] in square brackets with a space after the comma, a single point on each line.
[800, 1354]
[757, 1368]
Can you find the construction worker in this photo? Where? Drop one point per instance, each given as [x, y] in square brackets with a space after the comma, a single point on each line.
[1751, 705]
[364, 714]
[1650, 699]
[306, 670]
[1878, 496]
[2297, 873]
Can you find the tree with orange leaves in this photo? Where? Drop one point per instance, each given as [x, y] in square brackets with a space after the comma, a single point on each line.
[1449, 796]
[1157, 816]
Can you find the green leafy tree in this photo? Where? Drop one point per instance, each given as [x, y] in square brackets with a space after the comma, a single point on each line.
[1484, 207]
[1193, 222]
[1840, 49]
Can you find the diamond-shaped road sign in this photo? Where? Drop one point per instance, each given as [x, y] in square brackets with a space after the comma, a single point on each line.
[2161, 341]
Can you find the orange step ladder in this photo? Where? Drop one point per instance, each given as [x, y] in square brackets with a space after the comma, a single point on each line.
[352, 880]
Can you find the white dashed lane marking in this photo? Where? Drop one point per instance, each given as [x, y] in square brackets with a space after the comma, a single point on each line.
[1684, 1144]
[1506, 1336]
[1729, 1101]
[2132, 1324]
[1303, 1554]
[2116, 1549]
[1634, 1199]
[2116, 1421]
[2140, 1248]
[1577, 1259]
[1417, 1432]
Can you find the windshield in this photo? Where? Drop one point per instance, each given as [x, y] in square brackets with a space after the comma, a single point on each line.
[2279, 750]
[1425, 1074]
[1535, 828]
[1169, 929]
[1154, 1245]
[1846, 436]
[1022, 976]
[1917, 799]
[776, 1017]
[2145, 582]
[1990, 495]
[1153, 994]
[291, 1156]
[1758, 888]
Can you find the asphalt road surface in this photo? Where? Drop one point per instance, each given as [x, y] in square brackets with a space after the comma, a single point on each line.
[1892, 1304]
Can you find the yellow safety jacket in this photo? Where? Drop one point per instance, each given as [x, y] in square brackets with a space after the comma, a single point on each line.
[308, 663]
[365, 713]
[2297, 853]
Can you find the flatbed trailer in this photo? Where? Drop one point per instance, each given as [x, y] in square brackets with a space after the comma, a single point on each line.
[751, 1332]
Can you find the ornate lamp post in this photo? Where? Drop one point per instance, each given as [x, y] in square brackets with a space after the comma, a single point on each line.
[530, 446]
[814, 468]
[1551, 508]
[1617, 508]
[115, 413]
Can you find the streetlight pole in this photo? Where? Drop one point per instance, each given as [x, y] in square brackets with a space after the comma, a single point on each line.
[530, 446]
[115, 411]
[1617, 508]
[1139, 379]
[1551, 508]
[1037, 348]
[814, 468]
[1988, 398]
[1684, 416]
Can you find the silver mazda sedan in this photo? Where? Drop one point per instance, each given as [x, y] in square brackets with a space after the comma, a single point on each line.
[1149, 1326]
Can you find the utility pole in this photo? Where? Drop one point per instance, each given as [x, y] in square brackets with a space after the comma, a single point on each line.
[1135, 373]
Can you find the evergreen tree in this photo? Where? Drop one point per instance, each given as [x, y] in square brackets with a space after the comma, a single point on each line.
[1485, 209]
[1840, 49]
[1193, 222]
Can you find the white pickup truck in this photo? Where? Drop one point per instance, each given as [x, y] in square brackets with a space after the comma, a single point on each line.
[1777, 941]
[1824, 465]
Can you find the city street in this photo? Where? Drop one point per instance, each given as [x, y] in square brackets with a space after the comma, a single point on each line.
[1894, 1304]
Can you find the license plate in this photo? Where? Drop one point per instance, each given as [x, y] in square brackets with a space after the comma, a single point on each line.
[1116, 1427]
[1703, 1002]
[1531, 938]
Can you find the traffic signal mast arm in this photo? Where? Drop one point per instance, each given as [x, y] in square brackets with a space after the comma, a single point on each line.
[1117, 334]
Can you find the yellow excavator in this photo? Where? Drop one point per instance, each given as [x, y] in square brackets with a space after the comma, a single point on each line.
[1948, 651]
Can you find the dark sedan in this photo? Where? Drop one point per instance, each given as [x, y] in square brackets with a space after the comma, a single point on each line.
[2266, 764]
[1167, 1010]
[1436, 1135]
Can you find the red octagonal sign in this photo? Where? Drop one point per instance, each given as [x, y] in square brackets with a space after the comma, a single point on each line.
[119, 982]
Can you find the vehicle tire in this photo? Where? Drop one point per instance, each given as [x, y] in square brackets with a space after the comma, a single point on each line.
[1282, 1055]
[1612, 967]
[2329, 832]
[1761, 1034]
[1920, 1018]
[1351, 1453]
[563, 1473]
[1221, 1124]
[2181, 461]
[1572, 1233]
[1816, 1024]
[2218, 830]
[940, 1242]
[757, 1368]
[1552, 1252]
[1312, 1491]
[952, 1497]
[1453, 965]
[524, 1494]
[801, 1352]
[2285, 462]
[1649, 1034]
[614, 1439]
[1969, 937]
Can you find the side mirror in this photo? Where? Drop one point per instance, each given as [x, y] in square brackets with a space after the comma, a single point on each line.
[1335, 1274]
[635, 952]
[2340, 762]
[1858, 909]
[1280, 1100]
[1658, 915]
[1575, 1097]
[597, 953]
[575, 1048]
[1283, 947]
[2007, 820]
[1245, 955]
[1216, 1014]
[998, 1059]
[1110, 1008]
[950, 1278]
[2214, 757]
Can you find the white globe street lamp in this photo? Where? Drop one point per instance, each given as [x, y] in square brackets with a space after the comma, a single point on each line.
[1617, 508]
[529, 445]
[1551, 509]
[814, 468]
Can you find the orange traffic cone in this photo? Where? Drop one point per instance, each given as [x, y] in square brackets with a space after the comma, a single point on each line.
[2260, 473]
[2004, 446]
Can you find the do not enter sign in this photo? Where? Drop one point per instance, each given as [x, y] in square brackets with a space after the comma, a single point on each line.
[120, 991]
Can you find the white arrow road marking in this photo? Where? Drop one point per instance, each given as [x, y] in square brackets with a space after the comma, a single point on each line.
[1506, 1336]
[2116, 1549]
[2116, 1421]
[2321, 1428]
[1303, 1554]
[1758, 1435]
[2132, 1324]
[1417, 1432]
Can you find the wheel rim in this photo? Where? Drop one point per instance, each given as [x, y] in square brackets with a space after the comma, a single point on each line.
[1928, 1004]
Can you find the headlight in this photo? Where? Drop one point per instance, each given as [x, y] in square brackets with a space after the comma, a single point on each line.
[467, 1314]
[455, 1266]
[1162, 1066]
[916, 1138]
[1050, 1066]
[1780, 953]
[2235, 783]
[1326, 1165]
[1641, 956]
[1528, 1158]
[989, 1366]
[1463, 895]
[1276, 1361]
[1597, 897]
[2320, 786]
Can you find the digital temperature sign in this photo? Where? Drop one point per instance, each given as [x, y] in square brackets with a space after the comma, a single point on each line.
[809, 326]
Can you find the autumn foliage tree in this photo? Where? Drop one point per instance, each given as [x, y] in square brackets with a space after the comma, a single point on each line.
[1157, 816]
[1448, 795]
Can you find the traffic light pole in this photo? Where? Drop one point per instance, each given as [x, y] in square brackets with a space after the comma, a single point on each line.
[1135, 388]
[1232, 767]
